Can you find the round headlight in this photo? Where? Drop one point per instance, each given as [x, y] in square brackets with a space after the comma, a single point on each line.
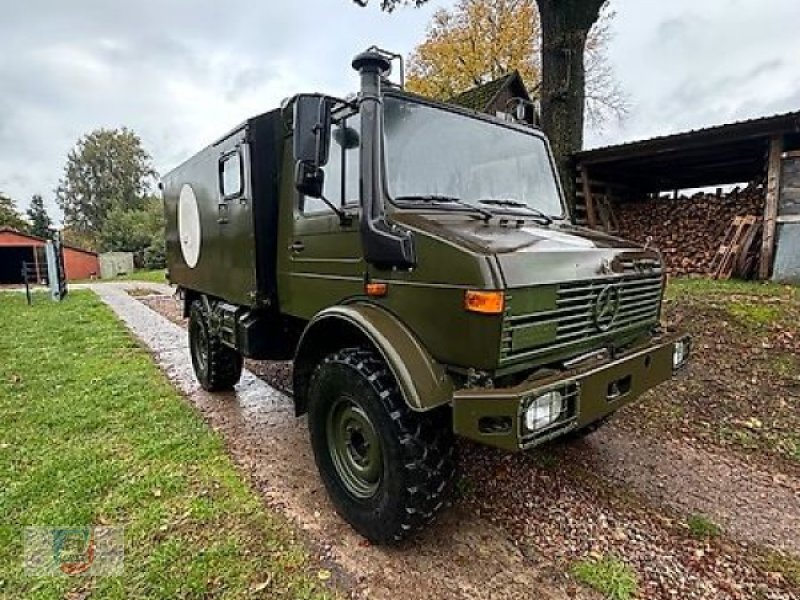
[544, 410]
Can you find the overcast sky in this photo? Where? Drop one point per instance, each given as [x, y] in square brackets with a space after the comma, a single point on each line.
[182, 72]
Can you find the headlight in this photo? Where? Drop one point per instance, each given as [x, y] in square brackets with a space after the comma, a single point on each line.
[544, 410]
[680, 353]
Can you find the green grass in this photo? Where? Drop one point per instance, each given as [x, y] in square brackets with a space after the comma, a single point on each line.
[608, 575]
[785, 564]
[754, 314]
[155, 276]
[679, 287]
[91, 432]
[787, 366]
[702, 527]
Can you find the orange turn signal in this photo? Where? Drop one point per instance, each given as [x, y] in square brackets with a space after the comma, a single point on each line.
[376, 290]
[488, 303]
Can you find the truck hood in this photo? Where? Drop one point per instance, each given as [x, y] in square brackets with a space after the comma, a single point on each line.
[532, 254]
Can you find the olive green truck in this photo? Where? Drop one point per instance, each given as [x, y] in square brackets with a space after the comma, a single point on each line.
[418, 264]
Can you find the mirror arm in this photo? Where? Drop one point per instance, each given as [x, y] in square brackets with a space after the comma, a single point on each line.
[345, 220]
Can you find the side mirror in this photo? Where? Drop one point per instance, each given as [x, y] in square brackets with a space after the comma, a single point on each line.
[312, 129]
[308, 179]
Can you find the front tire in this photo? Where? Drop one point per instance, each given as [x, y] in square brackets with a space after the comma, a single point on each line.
[387, 469]
[217, 367]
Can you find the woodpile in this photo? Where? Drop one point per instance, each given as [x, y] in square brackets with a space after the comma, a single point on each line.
[689, 230]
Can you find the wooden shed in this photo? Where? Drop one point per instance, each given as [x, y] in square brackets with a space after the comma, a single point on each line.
[17, 247]
[635, 189]
[498, 97]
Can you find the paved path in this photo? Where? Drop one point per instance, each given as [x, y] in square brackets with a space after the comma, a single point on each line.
[462, 556]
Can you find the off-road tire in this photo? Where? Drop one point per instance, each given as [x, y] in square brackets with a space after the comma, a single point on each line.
[217, 367]
[417, 449]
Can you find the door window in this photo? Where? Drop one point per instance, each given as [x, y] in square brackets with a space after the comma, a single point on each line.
[341, 172]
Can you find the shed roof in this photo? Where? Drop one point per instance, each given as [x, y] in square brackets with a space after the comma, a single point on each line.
[731, 153]
[42, 240]
[480, 97]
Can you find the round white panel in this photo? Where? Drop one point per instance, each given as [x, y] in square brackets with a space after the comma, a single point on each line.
[189, 226]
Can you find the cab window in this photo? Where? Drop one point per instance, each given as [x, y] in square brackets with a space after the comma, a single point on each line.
[341, 172]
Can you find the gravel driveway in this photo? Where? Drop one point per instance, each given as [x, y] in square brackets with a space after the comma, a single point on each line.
[520, 520]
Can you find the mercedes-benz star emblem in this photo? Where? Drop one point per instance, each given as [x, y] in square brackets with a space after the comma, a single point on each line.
[606, 307]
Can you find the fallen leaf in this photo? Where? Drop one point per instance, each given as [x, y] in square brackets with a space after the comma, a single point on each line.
[263, 585]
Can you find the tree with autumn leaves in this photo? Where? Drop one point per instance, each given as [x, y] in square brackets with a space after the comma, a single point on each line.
[565, 27]
[482, 40]
[474, 42]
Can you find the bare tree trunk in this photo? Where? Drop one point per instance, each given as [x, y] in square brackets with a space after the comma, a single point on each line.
[565, 27]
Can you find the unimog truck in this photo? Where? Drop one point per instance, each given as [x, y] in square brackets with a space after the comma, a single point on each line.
[418, 264]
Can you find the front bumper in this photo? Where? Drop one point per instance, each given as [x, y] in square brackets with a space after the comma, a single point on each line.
[495, 416]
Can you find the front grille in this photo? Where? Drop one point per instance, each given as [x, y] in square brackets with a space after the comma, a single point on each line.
[577, 318]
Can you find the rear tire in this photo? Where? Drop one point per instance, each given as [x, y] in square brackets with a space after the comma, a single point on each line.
[217, 367]
[387, 469]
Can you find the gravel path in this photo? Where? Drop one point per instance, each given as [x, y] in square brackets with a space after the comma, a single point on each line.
[272, 447]
[751, 501]
[613, 493]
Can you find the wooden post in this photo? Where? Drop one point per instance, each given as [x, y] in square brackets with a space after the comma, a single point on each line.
[36, 263]
[771, 205]
[591, 215]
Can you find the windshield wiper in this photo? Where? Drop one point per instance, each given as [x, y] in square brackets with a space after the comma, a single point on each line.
[516, 204]
[442, 199]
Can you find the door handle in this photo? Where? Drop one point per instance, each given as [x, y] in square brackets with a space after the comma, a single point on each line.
[297, 246]
[222, 213]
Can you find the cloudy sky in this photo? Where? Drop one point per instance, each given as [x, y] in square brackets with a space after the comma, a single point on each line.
[182, 72]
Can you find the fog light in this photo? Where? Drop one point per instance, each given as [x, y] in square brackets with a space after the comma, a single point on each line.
[544, 410]
[680, 353]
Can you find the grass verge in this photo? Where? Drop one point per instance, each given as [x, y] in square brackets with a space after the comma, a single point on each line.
[92, 433]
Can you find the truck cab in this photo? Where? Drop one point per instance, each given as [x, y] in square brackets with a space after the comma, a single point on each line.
[419, 265]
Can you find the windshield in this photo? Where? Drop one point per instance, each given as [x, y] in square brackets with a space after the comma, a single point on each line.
[434, 152]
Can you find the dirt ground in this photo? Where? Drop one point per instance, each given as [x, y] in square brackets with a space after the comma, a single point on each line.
[719, 443]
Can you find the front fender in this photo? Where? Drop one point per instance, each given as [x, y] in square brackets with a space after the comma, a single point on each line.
[423, 381]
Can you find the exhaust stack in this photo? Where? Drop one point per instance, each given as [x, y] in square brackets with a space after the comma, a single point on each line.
[386, 246]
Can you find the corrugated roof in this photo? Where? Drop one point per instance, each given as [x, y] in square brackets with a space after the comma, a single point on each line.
[755, 127]
[730, 153]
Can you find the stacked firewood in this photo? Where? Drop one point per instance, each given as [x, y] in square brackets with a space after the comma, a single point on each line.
[688, 230]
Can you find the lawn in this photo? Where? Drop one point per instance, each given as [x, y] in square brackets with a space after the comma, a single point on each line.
[92, 433]
[154, 276]
[742, 387]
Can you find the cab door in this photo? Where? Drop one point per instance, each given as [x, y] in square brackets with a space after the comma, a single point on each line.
[326, 262]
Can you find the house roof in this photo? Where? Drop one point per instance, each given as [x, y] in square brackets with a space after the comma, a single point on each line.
[729, 153]
[480, 97]
[36, 238]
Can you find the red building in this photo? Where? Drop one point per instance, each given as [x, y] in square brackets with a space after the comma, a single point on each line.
[17, 247]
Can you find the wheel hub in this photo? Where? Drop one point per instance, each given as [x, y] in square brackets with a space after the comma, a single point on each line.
[354, 448]
[200, 346]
